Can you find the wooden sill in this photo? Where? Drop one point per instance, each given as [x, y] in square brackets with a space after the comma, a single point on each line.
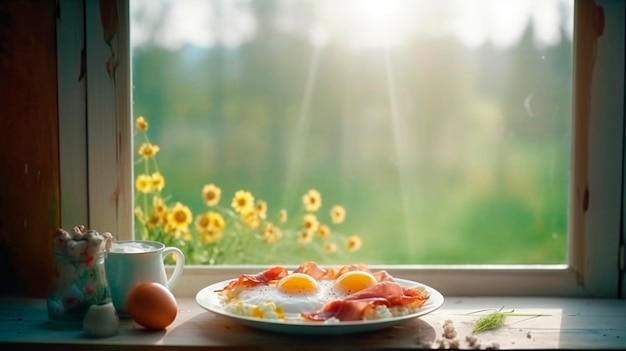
[567, 323]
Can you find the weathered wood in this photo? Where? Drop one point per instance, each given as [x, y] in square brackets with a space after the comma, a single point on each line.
[29, 157]
[566, 324]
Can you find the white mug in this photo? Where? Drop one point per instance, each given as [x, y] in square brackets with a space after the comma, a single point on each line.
[130, 262]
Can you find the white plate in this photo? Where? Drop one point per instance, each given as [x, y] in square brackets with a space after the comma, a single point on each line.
[208, 299]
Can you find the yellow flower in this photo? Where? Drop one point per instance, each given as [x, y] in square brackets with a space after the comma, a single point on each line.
[180, 217]
[209, 226]
[330, 247]
[178, 220]
[267, 228]
[305, 237]
[155, 220]
[147, 150]
[310, 223]
[269, 237]
[337, 214]
[312, 200]
[158, 206]
[210, 221]
[243, 201]
[271, 233]
[353, 243]
[168, 227]
[141, 123]
[250, 218]
[282, 216]
[202, 222]
[210, 236]
[261, 208]
[158, 182]
[323, 231]
[144, 183]
[216, 221]
[211, 194]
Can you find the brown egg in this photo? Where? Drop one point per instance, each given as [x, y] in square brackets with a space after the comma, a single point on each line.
[152, 306]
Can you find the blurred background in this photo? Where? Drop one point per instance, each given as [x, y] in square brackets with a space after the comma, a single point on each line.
[443, 127]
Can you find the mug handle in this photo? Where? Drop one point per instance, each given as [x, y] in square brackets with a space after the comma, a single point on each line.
[180, 263]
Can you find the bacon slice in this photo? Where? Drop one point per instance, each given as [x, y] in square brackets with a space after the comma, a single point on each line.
[314, 270]
[355, 307]
[382, 276]
[336, 273]
[344, 310]
[267, 277]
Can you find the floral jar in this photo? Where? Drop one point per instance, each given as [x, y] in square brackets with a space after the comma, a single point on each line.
[80, 278]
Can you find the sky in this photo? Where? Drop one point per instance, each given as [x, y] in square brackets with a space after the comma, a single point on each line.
[357, 23]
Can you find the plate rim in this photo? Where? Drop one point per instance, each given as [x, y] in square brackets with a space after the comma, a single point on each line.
[207, 293]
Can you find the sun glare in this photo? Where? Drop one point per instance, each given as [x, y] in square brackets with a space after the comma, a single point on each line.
[365, 24]
[358, 24]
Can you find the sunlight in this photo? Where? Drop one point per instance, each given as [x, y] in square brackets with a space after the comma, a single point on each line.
[366, 24]
[299, 137]
[405, 175]
[359, 24]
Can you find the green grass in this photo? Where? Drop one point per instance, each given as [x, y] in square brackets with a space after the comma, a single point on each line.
[444, 220]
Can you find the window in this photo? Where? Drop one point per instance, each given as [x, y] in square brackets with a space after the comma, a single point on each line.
[447, 136]
[586, 256]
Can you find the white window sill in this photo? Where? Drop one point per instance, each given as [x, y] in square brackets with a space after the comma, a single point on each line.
[568, 323]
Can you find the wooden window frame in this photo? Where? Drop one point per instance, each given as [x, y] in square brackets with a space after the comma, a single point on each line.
[96, 155]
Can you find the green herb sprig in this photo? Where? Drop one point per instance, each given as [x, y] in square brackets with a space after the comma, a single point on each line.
[496, 319]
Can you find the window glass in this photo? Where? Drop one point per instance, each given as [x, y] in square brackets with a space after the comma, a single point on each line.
[386, 132]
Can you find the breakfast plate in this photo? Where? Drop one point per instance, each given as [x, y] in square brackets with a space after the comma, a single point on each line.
[208, 299]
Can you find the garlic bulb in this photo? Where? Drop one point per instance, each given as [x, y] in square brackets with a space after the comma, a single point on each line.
[101, 321]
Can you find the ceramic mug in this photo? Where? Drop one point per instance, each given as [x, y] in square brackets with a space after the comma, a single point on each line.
[130, 262]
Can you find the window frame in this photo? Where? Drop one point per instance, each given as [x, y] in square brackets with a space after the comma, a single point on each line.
[96, 155]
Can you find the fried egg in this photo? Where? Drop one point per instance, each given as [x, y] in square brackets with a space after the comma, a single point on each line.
[354, 281]
[295, 293]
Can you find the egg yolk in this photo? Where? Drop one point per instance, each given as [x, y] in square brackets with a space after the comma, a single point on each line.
[297, 284]
[351, 282]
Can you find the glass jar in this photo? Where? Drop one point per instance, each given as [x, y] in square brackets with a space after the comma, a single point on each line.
[80, 282]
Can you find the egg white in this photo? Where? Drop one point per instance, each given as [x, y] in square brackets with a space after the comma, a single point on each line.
[288, 304]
